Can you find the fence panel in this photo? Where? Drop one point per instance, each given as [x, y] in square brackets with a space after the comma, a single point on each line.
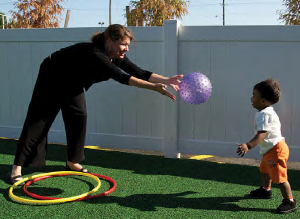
[233, 57]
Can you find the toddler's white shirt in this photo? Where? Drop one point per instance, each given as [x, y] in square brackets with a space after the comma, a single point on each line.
[268, 120]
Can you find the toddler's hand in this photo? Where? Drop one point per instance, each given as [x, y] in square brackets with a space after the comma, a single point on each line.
[242, 149]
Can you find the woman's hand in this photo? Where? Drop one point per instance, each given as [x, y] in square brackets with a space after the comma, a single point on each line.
[174, 82]
[162, 88]
[159, 87]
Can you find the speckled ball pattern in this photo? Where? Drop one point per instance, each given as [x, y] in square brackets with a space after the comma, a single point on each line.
[195, 88]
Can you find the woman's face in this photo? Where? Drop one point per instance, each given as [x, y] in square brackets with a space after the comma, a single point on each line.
[118, 48]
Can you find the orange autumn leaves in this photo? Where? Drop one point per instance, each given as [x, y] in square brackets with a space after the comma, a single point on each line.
[36, 14]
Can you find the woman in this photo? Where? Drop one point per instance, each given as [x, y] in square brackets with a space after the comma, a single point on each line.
[62, 79]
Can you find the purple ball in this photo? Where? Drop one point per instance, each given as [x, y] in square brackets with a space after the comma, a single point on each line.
[195, 88]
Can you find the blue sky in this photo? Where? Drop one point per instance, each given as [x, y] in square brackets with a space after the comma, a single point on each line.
[88, 13]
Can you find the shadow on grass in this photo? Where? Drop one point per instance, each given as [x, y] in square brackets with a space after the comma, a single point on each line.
[150, 202]
[152, 165]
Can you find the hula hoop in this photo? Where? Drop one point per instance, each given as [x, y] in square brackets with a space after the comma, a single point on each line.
[80, 199]
[29, 201]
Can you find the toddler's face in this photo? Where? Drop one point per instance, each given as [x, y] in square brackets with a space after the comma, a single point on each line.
[257, 101]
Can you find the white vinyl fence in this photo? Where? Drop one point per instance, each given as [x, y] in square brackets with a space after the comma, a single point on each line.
[235, 58]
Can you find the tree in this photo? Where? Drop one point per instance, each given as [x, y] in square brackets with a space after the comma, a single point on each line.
[155, 12]
[3, 21]
[291, 15]
[37, 14]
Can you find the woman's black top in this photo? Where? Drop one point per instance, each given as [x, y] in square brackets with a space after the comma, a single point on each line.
[84, 64]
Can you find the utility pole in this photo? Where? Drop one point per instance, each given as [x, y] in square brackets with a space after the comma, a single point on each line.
[223, 12]
[109, 12]
[128, 16]
[67, 18]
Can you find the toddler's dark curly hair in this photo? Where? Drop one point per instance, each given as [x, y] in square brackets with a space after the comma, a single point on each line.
[269, 90]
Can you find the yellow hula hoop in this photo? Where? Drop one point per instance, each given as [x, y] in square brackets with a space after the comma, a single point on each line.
[29, 201]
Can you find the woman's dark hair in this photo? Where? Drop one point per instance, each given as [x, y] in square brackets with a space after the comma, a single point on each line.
[114, 31]
[269, 90]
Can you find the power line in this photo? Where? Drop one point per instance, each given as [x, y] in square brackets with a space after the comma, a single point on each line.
[241, 3]
[6, 3]
[252, 3]
[87, 9]
[90, 9]
[203, 5]
[230, 4]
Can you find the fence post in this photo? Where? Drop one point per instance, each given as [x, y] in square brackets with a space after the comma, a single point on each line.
[170, 107]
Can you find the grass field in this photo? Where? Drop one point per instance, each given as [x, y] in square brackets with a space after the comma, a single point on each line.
[148, 186]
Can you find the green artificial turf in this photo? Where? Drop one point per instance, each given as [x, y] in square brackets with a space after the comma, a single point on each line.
[148, 186]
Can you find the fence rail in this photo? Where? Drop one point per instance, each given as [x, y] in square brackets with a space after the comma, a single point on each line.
[233, 57]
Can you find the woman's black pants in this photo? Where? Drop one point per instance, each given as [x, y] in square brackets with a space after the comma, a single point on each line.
[52, 94]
